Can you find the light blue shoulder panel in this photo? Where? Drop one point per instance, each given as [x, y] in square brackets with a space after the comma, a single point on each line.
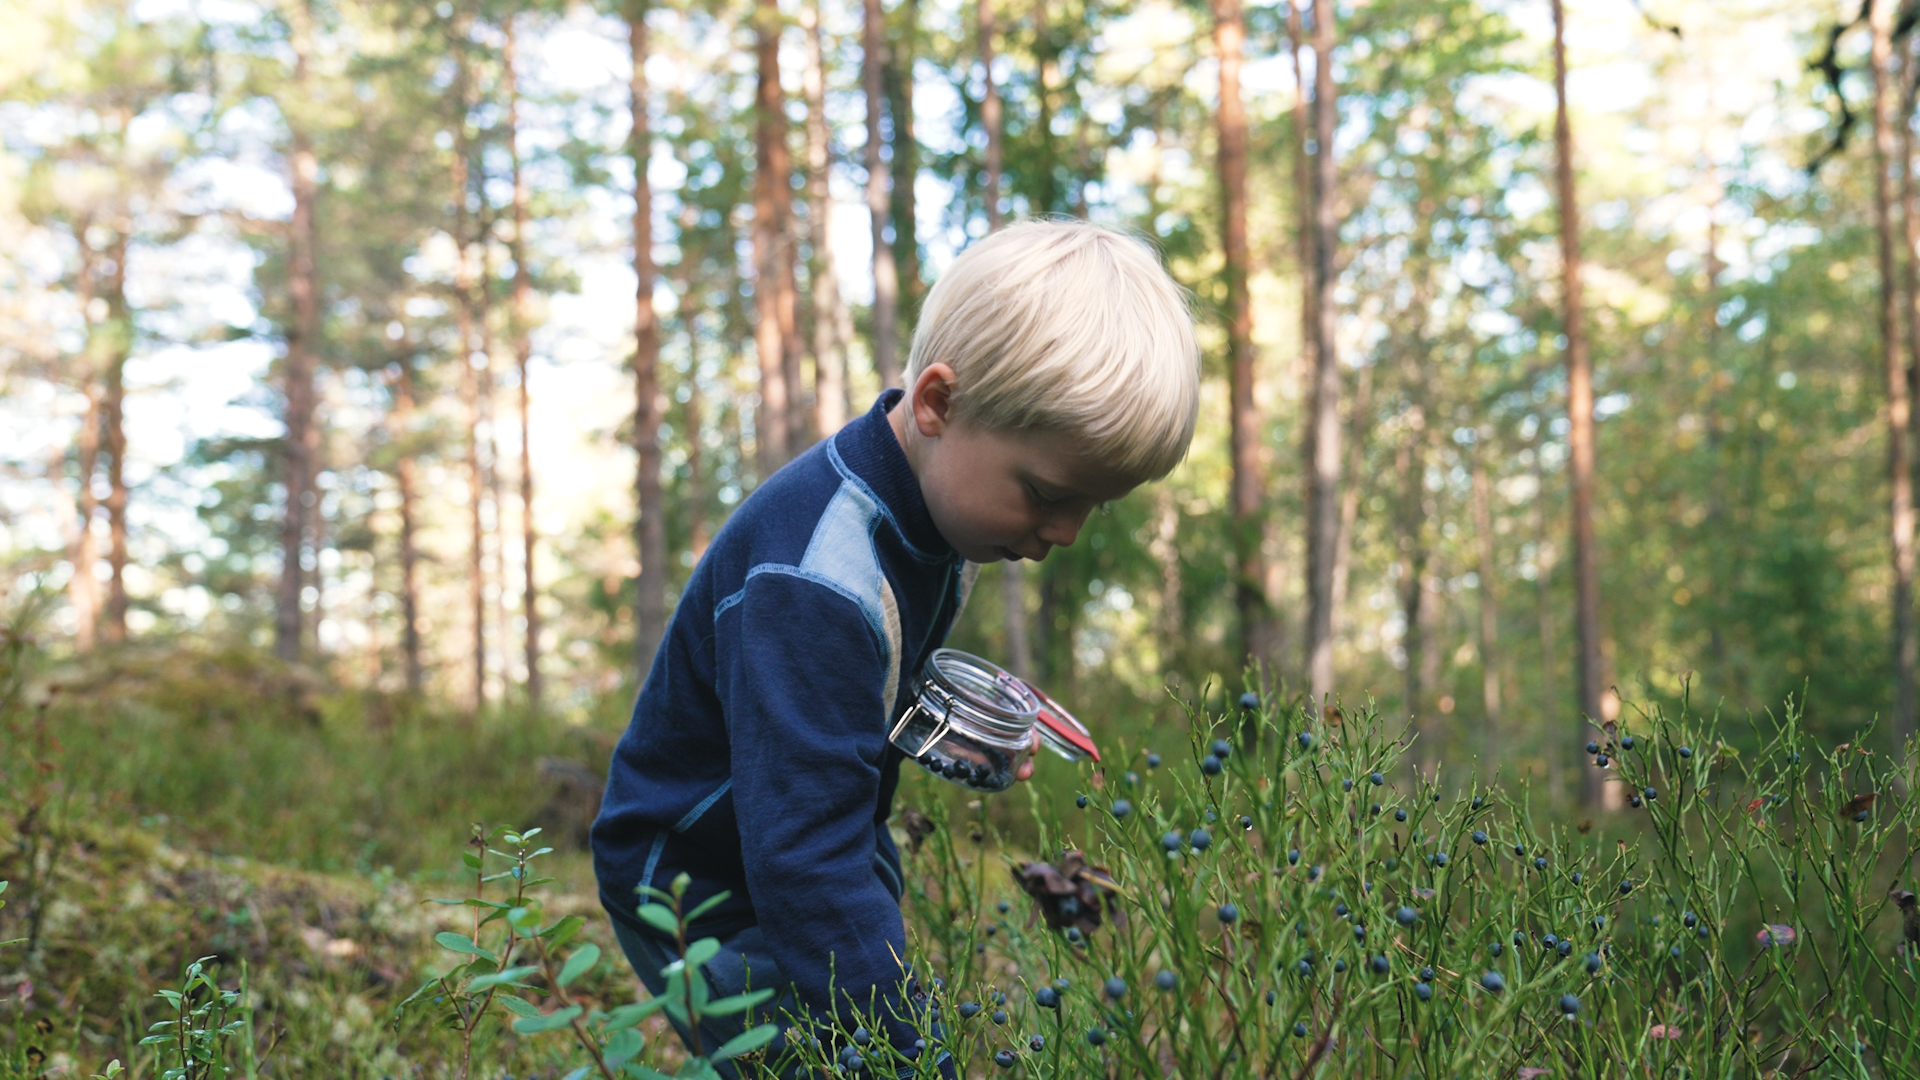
[841, 552]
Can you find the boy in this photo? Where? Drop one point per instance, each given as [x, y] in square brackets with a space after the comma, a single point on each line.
[1054, 369]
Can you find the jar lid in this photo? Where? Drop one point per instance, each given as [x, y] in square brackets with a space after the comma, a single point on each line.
[1061, 731]
[981, 695]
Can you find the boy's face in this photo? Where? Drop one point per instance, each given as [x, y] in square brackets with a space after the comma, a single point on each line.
[996, 494]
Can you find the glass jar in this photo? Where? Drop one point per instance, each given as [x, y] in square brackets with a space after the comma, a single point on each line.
[971, 722]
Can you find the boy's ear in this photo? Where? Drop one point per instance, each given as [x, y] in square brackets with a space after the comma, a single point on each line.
[931, 398]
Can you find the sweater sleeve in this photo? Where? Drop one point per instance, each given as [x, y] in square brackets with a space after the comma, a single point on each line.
[800, 675]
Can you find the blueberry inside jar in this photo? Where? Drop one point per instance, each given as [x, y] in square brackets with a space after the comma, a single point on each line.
[971, 722]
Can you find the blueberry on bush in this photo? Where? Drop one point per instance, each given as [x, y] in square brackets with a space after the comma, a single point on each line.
[1201, 840]
[1423, 991]
[1171, 841]
[1569, 1004]
[1399, 815]
[1685, 751]
[1037, 1043]
[1081, 802]
[1377, 779]
[999, 1016]
[1305, 739]
[1626, 742]
[1479, 836]
[1406, 916]
[1380, 964]
[1540, 862]
[861, 1036]
[1004, 1059]
[1439, 858]
[1153, 761]
[1592, 748]
[1096, 1036]
[1493, 981]
[1121, 808]
[1210, 765]
[1228, 913]
[1116, 987]
[1047, 997]
[1249, 701]
[969, 1010]
[1293, 857]
[1221, 749]
[1166, 980]
[1299, 1030]
[1593, 963]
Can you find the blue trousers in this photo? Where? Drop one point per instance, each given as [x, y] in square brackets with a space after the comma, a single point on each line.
[743, 963]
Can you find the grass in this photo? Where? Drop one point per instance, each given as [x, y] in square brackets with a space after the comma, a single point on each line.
[1741, 922]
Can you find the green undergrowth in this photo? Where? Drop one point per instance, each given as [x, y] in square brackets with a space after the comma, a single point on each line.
[1295, 902]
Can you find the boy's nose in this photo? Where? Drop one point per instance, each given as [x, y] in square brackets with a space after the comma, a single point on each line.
[1062, 531]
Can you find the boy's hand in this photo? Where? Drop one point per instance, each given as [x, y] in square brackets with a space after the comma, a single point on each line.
[1026, 767]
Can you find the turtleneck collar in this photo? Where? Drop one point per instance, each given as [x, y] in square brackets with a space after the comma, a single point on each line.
[870, 448]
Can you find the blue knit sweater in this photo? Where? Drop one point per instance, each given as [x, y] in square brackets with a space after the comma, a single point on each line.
[757, 759]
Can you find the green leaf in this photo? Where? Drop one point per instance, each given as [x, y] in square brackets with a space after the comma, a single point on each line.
[660, 917]
[473, 861]
[550, 1022]
[746, 1042]
[727, 1006]
[622, 1047]
[709, 904]
[562, 932]
[702, 951]
[455, 943]
[513, 976]
[643, 1072]
[628, 1015]
[519, 1005]
[580, 963]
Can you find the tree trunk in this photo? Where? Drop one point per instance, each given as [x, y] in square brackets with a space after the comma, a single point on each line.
[1013, 574]
[831, 321]
[771, 430]
[1590, 675]
[1543, 613]
[991, 118]
[1165, 548]
[1248, 502]
[467, 349]
[1323, 503]
[1358, 418]
[1303, 198]
[83, 552]
[407, 478]
[692, 421]
[886, 277]
[650, 533]
[1047, 63]
[119, 341]
[1898, 405]
[905, 162]
[1410, 463]
[1489, 611]
[302, 336]
[523, 355]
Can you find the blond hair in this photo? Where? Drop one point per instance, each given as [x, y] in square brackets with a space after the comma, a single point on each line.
[1061, 325]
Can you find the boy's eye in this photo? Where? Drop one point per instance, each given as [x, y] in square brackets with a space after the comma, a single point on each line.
[1034, 494]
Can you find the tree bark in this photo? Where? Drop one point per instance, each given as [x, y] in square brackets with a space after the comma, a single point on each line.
[692, 421]
[406, 476]
[1323, 514]
[302, 337]
[831, 322]
[1899, 468]
[771, 424]
[1590, 674]
[1013, 574]
[1489, 611]
[650, 533]
[523, 355]
[991, 115]
[1359, 416]
[905, 163]
[467, 349]
[1543, 610]
[83, 551]
[1303, 197]
[1247, 502]
[1410, 463]
[119, 341]
[886, 276]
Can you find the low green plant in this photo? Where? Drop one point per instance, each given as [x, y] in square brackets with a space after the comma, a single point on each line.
[512, 956]
[1299, 905]
[207, 1020]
